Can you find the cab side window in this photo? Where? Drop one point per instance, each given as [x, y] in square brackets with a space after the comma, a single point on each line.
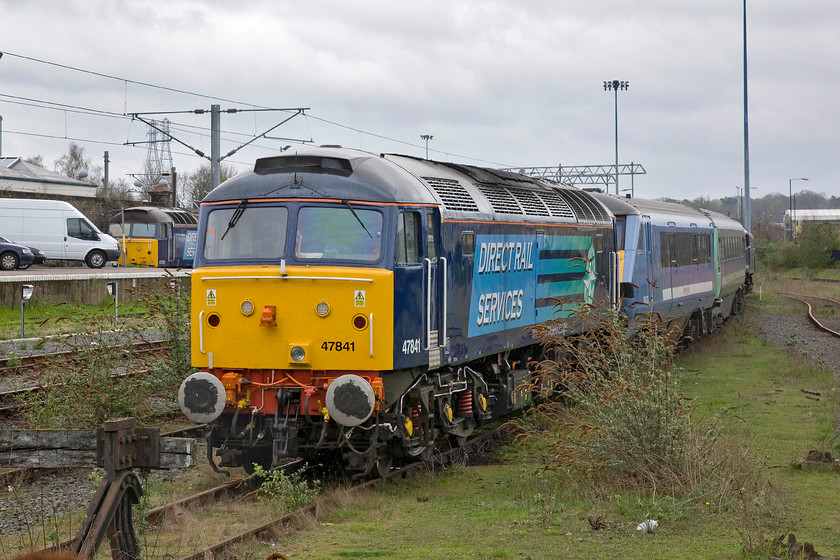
[408, 238]
[431, 238]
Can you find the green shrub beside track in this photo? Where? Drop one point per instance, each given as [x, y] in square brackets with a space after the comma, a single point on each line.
[740, 389]
[100, 378]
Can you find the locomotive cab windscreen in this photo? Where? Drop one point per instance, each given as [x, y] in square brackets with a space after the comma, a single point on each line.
[321, 233]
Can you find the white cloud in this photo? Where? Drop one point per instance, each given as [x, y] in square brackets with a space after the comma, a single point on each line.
[514, 83]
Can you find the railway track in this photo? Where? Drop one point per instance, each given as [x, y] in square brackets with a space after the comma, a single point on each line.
[483, 443]
[19, 374]
[224, 496]
[16, 364]
[823, 312]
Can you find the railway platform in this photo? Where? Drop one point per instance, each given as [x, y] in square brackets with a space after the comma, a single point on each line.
[80, 284]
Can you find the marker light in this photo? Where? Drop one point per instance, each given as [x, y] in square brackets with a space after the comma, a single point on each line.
[322, 309]
[247, 307]
[360, 322]
[298, 354]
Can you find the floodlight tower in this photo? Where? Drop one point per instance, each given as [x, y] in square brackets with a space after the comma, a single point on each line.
[616, 85]
[426, 137]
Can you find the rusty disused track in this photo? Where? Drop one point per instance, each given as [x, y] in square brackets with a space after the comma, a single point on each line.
[19, 364]
[811, 316]
[7, 407]
[479, 445]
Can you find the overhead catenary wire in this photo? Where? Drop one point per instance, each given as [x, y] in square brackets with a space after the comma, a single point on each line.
[95, 112]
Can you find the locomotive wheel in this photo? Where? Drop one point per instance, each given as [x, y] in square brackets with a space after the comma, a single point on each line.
[260, 456]
[383, 464]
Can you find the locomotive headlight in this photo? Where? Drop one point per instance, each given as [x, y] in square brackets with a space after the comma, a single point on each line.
[322, 309]
[297, 354]
[247, 307]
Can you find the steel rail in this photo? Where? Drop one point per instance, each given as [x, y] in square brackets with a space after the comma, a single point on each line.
[811, 317]
[487, 441]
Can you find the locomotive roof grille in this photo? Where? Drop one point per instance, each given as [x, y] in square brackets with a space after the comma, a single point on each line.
[453, 194]
[181, 217]
[555, 203]
[583, 206]
[529, 201]
[500, 199]
[303, 163]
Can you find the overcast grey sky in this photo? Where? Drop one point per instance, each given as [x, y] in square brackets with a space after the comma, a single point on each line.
[496, 82]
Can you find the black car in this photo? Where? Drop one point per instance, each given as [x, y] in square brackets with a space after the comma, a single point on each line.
[14, 256]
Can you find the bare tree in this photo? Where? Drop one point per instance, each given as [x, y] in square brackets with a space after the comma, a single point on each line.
[36, 160]
[195, 186]
[74, 161]
[119, 190]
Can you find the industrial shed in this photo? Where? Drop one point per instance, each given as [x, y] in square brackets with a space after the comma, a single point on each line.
[18, 178]
[804, 217]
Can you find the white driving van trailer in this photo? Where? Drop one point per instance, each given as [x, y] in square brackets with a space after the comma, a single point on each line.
[58, 229]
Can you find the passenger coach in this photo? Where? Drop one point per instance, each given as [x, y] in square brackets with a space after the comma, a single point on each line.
[690, 267]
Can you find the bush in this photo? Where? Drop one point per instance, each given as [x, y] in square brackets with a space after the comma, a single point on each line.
[285, 492]
[622, 423]
[812, 249]
[815, 245]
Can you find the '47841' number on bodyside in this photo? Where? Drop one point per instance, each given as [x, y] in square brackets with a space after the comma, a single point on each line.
[339, 346]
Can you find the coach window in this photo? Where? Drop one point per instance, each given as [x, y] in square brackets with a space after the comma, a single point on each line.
[408, 238]
[467, 244]
[703, 248]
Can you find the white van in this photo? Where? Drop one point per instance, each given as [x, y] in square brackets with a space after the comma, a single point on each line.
[58, 229]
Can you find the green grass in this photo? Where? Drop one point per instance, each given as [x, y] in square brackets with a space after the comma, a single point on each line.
[517, 510]
[43, 319]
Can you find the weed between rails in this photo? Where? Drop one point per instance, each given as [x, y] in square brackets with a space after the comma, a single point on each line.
[284, 493]
[85, 387]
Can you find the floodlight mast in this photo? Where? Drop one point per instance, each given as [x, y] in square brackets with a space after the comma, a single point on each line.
[616, 85]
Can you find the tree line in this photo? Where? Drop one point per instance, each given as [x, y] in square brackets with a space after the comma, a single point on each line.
[190, 187]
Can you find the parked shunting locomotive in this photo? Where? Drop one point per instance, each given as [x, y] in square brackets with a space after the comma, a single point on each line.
[370, 305]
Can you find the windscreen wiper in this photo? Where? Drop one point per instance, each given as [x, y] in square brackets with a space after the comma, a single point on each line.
[361, 223]
[240, 209]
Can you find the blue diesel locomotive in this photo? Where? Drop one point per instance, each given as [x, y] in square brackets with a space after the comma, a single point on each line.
[369, 304]
[152, 236]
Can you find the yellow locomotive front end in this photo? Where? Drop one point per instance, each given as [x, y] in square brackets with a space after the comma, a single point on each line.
[290, 326]
[292, 318]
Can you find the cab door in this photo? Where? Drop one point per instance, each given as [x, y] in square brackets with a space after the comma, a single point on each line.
[410, 289]
[435, 267]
